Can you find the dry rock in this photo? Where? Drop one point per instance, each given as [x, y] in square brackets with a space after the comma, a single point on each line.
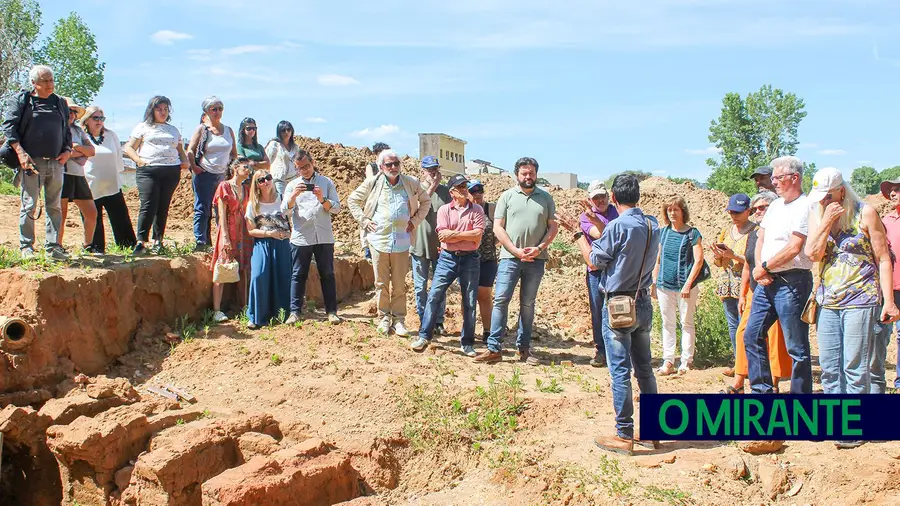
[761, 447]
[253, 444]
[773, 478]
[735, 468]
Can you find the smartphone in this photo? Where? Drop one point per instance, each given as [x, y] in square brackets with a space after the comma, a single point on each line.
[720, 245]
[310, 187]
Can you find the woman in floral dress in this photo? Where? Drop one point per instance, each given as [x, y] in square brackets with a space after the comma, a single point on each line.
[232, 240]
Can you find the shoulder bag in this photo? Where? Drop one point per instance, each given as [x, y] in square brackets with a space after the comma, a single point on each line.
[226, 272]
[621, 308]
[704, 271]
[811, 309]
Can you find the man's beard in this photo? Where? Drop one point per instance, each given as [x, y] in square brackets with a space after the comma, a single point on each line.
[526, 184]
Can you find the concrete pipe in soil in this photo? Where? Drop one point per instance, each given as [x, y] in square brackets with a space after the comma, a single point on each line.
[17, 334]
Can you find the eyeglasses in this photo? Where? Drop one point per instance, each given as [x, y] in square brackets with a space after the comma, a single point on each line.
[779, 178]
[476, 190]
[391, 165]
[98, 118]
[261, 180]
[217, 108]
[759, 209]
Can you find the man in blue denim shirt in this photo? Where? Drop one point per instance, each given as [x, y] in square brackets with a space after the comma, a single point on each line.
[619, 253]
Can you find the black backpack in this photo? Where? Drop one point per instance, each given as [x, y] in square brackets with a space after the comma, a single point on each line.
[25, 102]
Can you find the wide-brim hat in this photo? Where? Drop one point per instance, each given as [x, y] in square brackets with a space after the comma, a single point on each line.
[79, 111]
[886, 187]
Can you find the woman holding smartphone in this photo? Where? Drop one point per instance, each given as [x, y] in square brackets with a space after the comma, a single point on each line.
[728, 254]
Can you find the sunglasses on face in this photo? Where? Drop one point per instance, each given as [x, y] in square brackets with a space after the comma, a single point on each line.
[216, 109]
[250, 129]
[759, 209]
[261, 180]
[391, 164]
[98, 118]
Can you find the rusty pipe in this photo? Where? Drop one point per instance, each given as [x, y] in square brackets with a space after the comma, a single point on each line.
[16, 333]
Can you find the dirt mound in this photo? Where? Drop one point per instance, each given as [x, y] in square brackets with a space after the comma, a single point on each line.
[881, 204]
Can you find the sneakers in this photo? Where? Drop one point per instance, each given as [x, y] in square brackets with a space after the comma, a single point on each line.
[334, 319]
[400, 329]
[292, 319]
[439, 330]
[219, 317]
[599, 360]
[615, 444]
[684, 367]
[252, 326]
[419, 344]
[139, 249]
[57, 253]
[90, 250]
[384, 326]
[468, 350]
[524, 355]
[27, 252]
[157, 249]
[667, 369]
[201, 247]
[489, 357]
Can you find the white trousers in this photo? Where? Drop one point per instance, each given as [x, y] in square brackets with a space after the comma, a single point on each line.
[670, 302]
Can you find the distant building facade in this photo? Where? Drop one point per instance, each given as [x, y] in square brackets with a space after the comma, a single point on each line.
[450, 151]
[565, 180]
[476, 166]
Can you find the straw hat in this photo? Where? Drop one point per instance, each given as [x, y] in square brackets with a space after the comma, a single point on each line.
[79, 111]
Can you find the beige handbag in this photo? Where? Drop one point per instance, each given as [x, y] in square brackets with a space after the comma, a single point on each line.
[621, 308]
[226, 272]
[811, 309]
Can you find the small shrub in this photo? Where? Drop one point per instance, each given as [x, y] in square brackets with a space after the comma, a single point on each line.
[713, 340]
[276, 359]
[549, 387]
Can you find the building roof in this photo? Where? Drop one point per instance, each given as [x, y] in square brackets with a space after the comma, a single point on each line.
[445, 135]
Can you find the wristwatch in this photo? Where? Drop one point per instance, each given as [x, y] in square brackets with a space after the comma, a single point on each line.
[765, 267]
[577, 236]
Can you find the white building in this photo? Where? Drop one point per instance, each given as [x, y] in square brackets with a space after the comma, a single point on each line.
[565, 180]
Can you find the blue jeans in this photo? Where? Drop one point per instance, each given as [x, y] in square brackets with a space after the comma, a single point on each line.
[596, 299]
[879, 354]
[782, 300]
[733, 316]
[205, 184]
[423, 270]
[846, 340]
[627, 347]
[451, 267]
[509, 272]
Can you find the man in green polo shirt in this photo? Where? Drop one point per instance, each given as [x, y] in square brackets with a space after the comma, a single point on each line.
[525, 224]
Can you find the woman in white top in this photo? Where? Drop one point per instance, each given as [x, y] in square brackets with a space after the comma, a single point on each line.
[157, 150]
[75, 187]
[212, 148]
[270, 262]
[104, 176]
[281, 152]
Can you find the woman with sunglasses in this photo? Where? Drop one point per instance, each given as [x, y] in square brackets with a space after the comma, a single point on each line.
[233, 242]
[270, 262]
[855, 288]
[281, 152]
[728, 254]
[249, 146]
[779, 361]
[489, 256]
[211, 150]
[104, 176]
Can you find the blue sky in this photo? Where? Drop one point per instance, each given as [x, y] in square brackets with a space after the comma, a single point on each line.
[591, 87]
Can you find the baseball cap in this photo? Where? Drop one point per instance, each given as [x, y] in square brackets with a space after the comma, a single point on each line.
[764, 170]
[739, 202]
[597, 188]
[457, 180]
[824, 181]
[475, 182]
[430, 162]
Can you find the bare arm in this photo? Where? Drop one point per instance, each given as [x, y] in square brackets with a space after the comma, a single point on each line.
[259, 233]
[874, 228]
[696, 268]
[745, 287]
[223, 223]
[182, 156]
[552, 230]
[130, 151]
[192, 150]
[264, 164]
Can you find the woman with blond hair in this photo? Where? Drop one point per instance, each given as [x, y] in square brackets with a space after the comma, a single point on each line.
[855, 290]
[677, 269]
[104, 176]
[270, 262]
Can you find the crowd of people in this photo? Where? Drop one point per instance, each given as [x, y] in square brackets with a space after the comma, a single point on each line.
[274, 214]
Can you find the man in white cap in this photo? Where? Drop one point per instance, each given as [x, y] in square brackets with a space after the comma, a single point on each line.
[785, 281]
[597, 214]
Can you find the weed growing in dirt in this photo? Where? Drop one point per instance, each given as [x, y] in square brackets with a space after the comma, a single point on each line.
[243, 350]
[671, 496]
[713, 341]
[205, 414]
[180, 421]
[549, 387]
[275, 359]
[563, 246]
[365, 358]
[186, 328]
[242, 318]
[608, 476]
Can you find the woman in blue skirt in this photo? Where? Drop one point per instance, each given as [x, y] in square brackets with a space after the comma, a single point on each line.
[270, 263]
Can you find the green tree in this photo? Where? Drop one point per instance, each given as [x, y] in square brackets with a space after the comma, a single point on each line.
[639, 174]
[681, 180]
[750, 132]
[865, 180]
[20, 22]
[889, 174]
[71, 52]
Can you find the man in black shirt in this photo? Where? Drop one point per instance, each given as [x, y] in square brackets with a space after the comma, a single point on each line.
[37, 130]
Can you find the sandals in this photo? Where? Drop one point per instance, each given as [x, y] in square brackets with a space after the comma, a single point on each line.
[730, 390]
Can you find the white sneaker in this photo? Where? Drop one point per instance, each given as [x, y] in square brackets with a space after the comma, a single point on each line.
[384, 326]
[400, 329]
[468, 350]
[684, 367]
[666, 369]
[219, 317]
[334, 319]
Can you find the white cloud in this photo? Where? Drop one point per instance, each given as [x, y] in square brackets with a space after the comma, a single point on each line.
[247, 49]
[832, 152]
[336, 80]
[380, 132]
[168, 37]
[199, 54]
[711, 150]
[316, 120]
